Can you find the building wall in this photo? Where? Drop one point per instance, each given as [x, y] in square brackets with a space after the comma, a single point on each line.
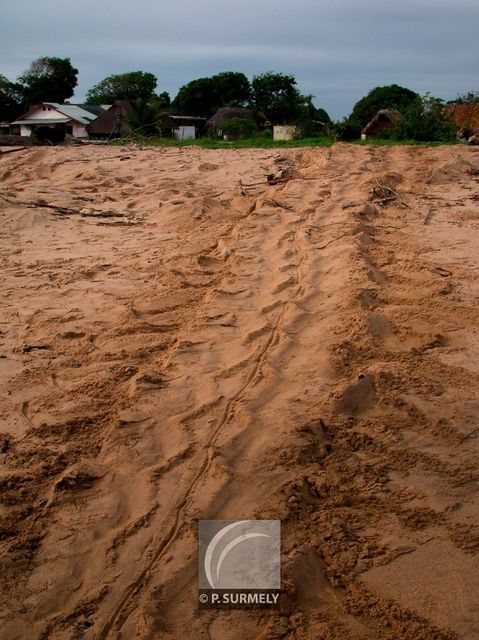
[185, 133]
[284, 132]
[45, 112]
[79, 131]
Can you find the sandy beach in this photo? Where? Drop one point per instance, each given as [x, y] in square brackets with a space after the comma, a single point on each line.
[182, 339]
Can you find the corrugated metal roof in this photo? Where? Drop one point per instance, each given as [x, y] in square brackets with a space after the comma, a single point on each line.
[42, 121]
[73, 111]
[94, 109]
[187, 118]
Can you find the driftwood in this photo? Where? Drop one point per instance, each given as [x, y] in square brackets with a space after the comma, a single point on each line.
[323, 246]
[32, 347]
[68, 211]
[277, 203]
[281, 177]
[382, 194]
[3, 153]
[445, 273]
[470, 434]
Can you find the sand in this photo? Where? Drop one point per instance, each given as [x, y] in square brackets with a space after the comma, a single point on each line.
[175, 347]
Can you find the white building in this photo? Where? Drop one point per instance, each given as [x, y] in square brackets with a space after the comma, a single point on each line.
[69, 118]
[287, 132]
[186, 127]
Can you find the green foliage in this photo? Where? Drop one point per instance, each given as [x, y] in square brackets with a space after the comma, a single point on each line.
[232, 89]
[277, 97]
[312, 121]
[322, 116]
[262, 140]
[238, 128]
[345, 130]
[196, 98]
[48, 79]
[425, 120]
[162, 101]
[144, 118]
[10, 99]
[204, 96]
[133, 85]
[387, 97]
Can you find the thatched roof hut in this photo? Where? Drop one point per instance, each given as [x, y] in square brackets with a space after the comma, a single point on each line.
[112, 123]
[464, 115]
[228, 113]
[384, 120]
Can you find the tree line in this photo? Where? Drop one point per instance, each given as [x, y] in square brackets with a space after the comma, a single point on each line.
[273, 97]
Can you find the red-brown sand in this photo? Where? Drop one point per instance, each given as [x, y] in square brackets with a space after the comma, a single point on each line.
[174, 346]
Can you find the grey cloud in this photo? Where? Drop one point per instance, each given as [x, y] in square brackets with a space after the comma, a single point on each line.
[337, 51]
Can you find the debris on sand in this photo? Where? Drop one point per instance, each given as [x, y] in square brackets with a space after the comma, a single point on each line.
[383, 194]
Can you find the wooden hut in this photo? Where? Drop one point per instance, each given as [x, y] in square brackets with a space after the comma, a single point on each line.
[228, 113]
[112, 123]
[464, 115]
[383, 121]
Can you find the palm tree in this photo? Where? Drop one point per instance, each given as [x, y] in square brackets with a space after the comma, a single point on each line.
[144, 117]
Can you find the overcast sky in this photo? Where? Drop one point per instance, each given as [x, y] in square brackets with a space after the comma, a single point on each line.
[338, 50]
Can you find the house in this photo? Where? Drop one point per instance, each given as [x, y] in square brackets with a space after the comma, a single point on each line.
[113, 122]
[284, 132]
[464, 115]
[185, 127]
[383, 121]
[228, 113]
[58, 119]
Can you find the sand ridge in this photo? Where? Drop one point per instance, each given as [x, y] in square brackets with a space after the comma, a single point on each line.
[175, 347]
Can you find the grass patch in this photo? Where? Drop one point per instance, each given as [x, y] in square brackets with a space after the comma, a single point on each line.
[262, 142]
[259, 142]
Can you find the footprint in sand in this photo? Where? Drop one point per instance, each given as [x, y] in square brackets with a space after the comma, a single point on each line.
[357, 397]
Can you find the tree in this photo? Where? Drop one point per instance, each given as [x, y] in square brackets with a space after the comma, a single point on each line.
[313, 120]
[317, 114]
[425, 120]
[10, 99]
[144, 116]
[162, 101]
[232, 89]
[48, 79]
[471, 97]
[123, 86]
[204, 96]
[197, 98]
[277, 97]
[387, 97]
